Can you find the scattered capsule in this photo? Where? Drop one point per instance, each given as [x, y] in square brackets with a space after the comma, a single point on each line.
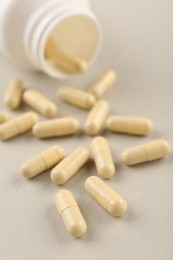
[13, 95]
[103, 157]
[103, 84]
[42, 162]
[77, 97]
[17, 126]
[106, 196]
[69, 166]
[70, 213]
[4, 116]
[56, 127]
[129, 125]
[96, 117]
[68, 63]
[146, 152]
[40, 103]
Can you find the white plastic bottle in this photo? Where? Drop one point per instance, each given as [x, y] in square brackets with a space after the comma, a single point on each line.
[26, 25]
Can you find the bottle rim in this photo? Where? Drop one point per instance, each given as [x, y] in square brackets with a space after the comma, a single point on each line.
[41, 27]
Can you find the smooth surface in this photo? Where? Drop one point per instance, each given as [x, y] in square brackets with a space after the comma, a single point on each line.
[103, 84]
[65, 62]
[77, 97]
[18, 126]
[129, 125]
[42, 162]
[4, 116]
[37, 101]
[56, 127]
[103, 157]
[108, 198]
[69, 166]
[96, 117]
[151, 151]
[138, 44]
[70, 213]
[13, 94]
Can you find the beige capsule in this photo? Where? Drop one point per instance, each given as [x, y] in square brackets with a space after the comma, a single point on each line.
[40, 103]
[68, 63]
[42, 162]
[146, 152]
[129, 125]
[56, 127]
[96, 117]
[103, 157]
[69, 166]
[18, 125]
[103, 84]
[77, 97]
[13, 95]
[106, 196]
[70, 213]
[4, 116]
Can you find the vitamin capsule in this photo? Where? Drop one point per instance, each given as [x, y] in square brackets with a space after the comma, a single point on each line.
[96, 117]
[40, 103]
[17, 126]
[105, 196]
[69, 166]
[70, 213]
[129, 125]
[103, 84]
[76, 97]
[13, 95]
[68, 63]
[56, 127]
[146, 152]
[42, 162]
[4, 116]
[103, 157]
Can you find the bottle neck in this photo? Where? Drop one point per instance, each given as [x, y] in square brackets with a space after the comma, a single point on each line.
[73, 25]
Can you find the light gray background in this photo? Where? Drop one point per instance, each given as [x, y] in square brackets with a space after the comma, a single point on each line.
[138, 43]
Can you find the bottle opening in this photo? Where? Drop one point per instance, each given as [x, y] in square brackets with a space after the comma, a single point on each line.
[69, 46]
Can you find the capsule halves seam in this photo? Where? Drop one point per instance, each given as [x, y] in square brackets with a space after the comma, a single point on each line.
[129, 125]
[106, 196]
[103, 157]
[70, 213]
[42, 162]
[56, 127]
[18, 125]
[69, 166]
[146, 152]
